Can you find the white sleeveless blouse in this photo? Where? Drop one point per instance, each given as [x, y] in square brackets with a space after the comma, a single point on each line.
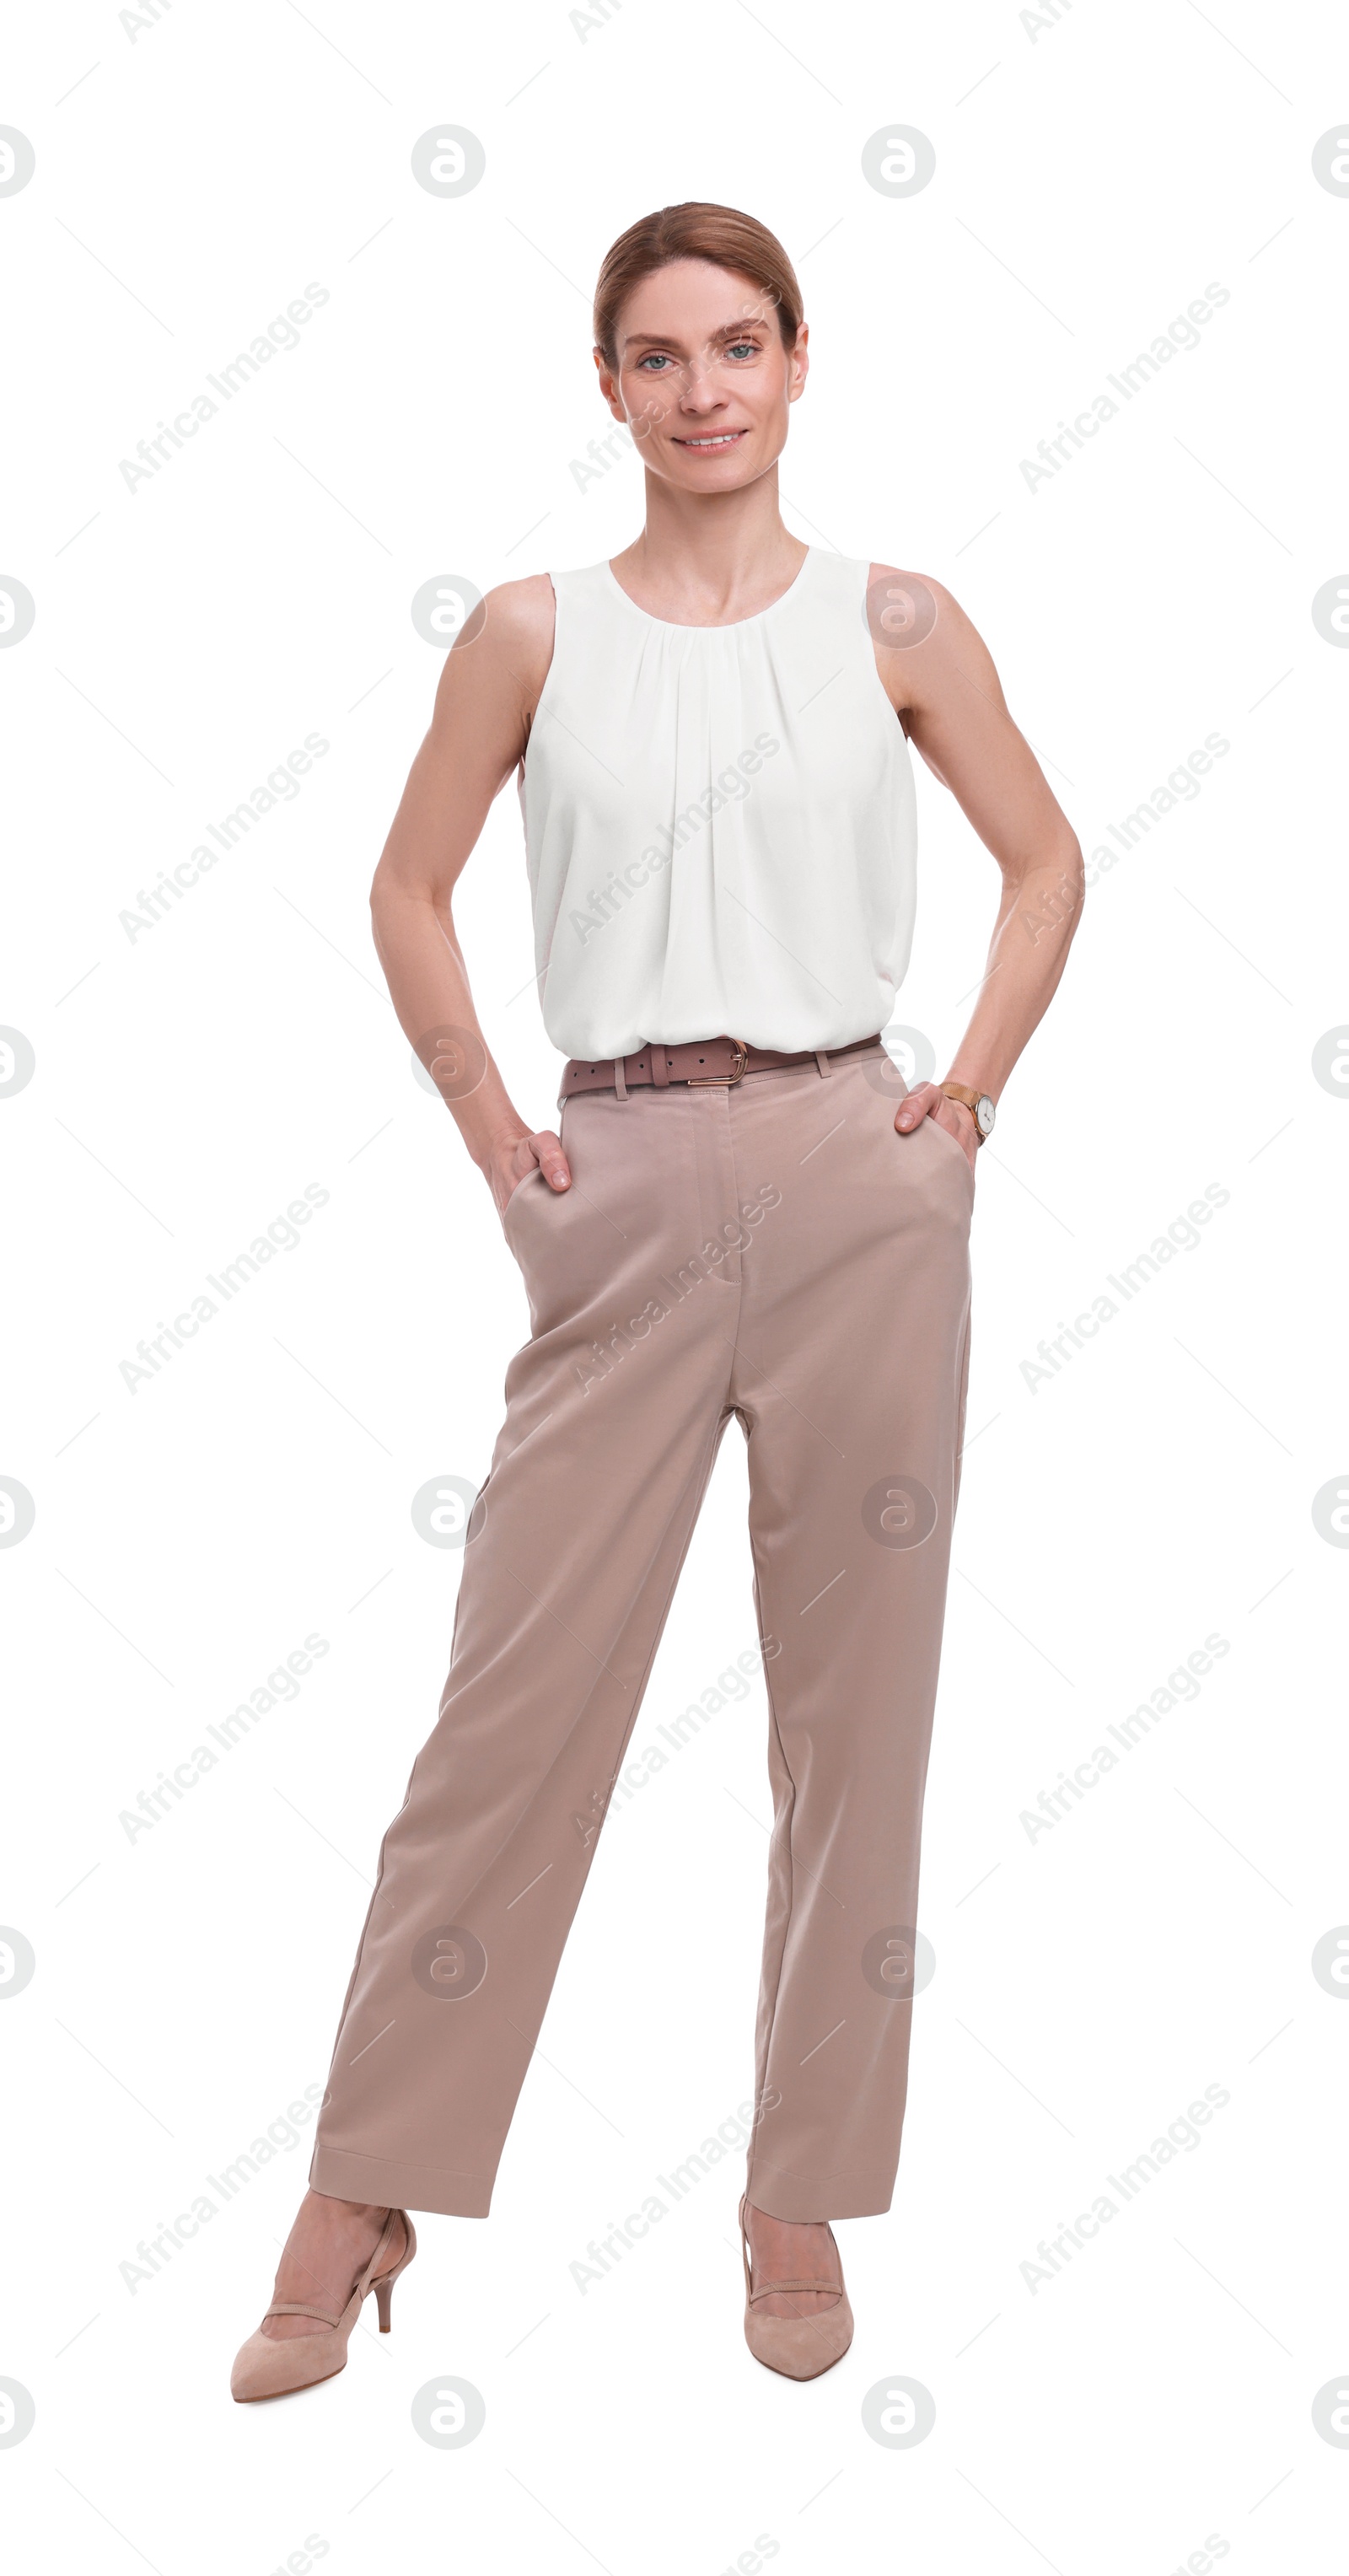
[719, 822]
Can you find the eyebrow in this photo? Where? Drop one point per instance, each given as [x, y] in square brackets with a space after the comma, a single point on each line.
[666, 340]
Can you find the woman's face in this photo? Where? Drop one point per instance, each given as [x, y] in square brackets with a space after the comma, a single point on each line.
[703, 380]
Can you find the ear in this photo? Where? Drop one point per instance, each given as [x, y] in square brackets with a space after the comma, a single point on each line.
[609, 384]
[799, 363]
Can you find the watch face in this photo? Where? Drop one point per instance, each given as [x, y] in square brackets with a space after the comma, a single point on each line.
[985, 1114]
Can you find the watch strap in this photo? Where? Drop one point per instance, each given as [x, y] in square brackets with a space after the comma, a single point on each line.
[961, 1092]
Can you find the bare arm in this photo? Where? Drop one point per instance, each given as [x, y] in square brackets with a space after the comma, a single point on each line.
[947, 695]
[484, 707]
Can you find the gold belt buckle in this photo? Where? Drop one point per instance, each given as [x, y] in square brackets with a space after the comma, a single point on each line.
[742, 1059]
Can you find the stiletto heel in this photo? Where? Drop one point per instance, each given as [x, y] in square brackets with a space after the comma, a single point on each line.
[265, 2367]
[799, 2347]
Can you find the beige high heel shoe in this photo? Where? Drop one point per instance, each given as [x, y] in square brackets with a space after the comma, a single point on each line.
[800, 2347]
[268, 2367]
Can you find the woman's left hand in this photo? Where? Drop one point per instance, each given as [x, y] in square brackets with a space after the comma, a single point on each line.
[926, 1101]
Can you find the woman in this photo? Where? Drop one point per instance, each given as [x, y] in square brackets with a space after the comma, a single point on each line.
[744, 1212]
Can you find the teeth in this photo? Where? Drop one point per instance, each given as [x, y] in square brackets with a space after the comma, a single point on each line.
[726, 441]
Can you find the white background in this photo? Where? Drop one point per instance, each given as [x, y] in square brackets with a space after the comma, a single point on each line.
[193, 174]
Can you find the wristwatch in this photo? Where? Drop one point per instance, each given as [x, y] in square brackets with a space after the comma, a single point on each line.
[978, 1103]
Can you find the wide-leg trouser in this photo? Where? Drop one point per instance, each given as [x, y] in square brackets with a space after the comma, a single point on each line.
[777, 1251]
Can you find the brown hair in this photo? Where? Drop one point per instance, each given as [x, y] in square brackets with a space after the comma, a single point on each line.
[718, 234]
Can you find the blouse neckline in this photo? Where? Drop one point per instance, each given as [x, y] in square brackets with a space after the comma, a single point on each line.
[724, 626]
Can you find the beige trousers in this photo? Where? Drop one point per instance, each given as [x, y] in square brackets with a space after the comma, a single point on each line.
[777, 1251]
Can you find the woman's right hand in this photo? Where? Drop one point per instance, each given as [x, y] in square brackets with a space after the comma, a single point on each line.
[512, 1163]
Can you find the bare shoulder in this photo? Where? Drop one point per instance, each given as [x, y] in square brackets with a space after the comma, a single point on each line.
[523, 612]
[519, 622]
[499, 659]
[923, 638]
[906, 608]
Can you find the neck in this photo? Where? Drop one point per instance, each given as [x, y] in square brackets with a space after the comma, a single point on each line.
[720, 555]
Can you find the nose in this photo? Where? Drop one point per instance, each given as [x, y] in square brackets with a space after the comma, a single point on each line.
[700, 392]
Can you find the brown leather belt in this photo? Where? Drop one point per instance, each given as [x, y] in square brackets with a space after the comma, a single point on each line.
[702, 1060]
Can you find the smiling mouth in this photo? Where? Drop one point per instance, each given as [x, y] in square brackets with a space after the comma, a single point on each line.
[715, 441]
